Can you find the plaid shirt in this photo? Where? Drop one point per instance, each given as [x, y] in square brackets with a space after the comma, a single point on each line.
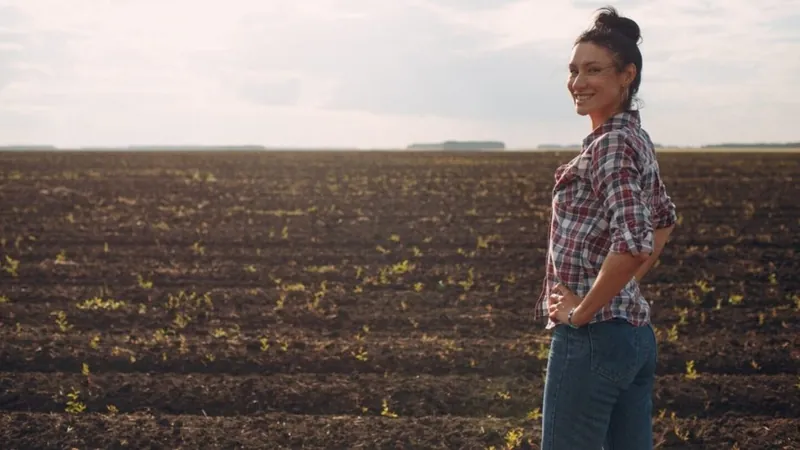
[608, 198]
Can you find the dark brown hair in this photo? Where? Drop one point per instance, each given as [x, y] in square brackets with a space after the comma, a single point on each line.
[620, 36]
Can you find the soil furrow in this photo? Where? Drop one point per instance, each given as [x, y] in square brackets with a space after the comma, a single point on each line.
[708, 396]
[288, 431]
[424, 353]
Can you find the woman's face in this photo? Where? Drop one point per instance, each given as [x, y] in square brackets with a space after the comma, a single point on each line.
[596, 86]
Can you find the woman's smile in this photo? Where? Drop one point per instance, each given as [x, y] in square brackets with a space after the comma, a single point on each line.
[582, 98]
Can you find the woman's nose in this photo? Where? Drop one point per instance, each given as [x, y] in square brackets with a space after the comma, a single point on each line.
[578, 81]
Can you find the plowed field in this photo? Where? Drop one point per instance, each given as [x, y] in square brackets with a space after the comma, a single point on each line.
[365, 300]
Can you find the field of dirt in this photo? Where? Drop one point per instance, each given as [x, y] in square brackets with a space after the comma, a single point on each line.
[365, 300]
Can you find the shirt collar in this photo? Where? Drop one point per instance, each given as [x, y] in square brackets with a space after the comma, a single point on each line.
[621, 120]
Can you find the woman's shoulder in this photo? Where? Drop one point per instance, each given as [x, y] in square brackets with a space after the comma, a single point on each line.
[629, 142]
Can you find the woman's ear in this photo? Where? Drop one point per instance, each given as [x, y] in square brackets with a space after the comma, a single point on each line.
[630, 74]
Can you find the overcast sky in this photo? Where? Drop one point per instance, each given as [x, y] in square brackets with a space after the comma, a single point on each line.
[380, 73]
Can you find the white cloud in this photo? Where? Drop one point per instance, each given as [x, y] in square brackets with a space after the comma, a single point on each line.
[518, 22]
[379, 73]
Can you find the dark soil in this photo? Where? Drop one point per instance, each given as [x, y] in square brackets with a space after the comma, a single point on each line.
[365, 300]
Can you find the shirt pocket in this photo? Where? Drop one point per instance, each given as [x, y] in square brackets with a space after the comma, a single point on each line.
[572, 193]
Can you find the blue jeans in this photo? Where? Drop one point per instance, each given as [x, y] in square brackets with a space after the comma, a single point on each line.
[599, 386]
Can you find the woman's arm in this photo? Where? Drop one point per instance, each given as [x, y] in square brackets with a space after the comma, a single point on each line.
[661, 236]
[664, 221]
[616, 271]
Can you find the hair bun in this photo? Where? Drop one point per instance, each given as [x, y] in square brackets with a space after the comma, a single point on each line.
[608, 18]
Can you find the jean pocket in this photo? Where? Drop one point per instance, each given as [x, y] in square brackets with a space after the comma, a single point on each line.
[614, 351]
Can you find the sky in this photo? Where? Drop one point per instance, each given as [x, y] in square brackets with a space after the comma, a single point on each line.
[381, 73]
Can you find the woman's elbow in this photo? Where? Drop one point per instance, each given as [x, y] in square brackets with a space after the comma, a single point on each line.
[641, 257]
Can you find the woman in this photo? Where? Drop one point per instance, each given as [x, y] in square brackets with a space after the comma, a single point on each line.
[611, 217]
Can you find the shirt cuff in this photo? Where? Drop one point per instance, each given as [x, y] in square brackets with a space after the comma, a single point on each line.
[666, 218]
[623, 240]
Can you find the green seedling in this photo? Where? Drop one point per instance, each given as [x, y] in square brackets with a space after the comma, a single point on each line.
[513, 438]
[360, 354]
[543, 352]
[198, 249]
[691, 373]
[11, 265]
[144, 284]
[672, 333]
[61, 321]
[74, 405]
[98, 303]
[385, 411]
[534, 414]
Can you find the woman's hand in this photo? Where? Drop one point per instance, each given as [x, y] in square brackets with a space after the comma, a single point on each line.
[562, 300]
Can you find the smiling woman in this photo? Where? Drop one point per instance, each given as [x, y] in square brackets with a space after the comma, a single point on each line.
[611, 216]
[606, 68]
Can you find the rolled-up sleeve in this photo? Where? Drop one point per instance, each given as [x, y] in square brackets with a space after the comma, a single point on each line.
[615, 179]
[664, 213]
